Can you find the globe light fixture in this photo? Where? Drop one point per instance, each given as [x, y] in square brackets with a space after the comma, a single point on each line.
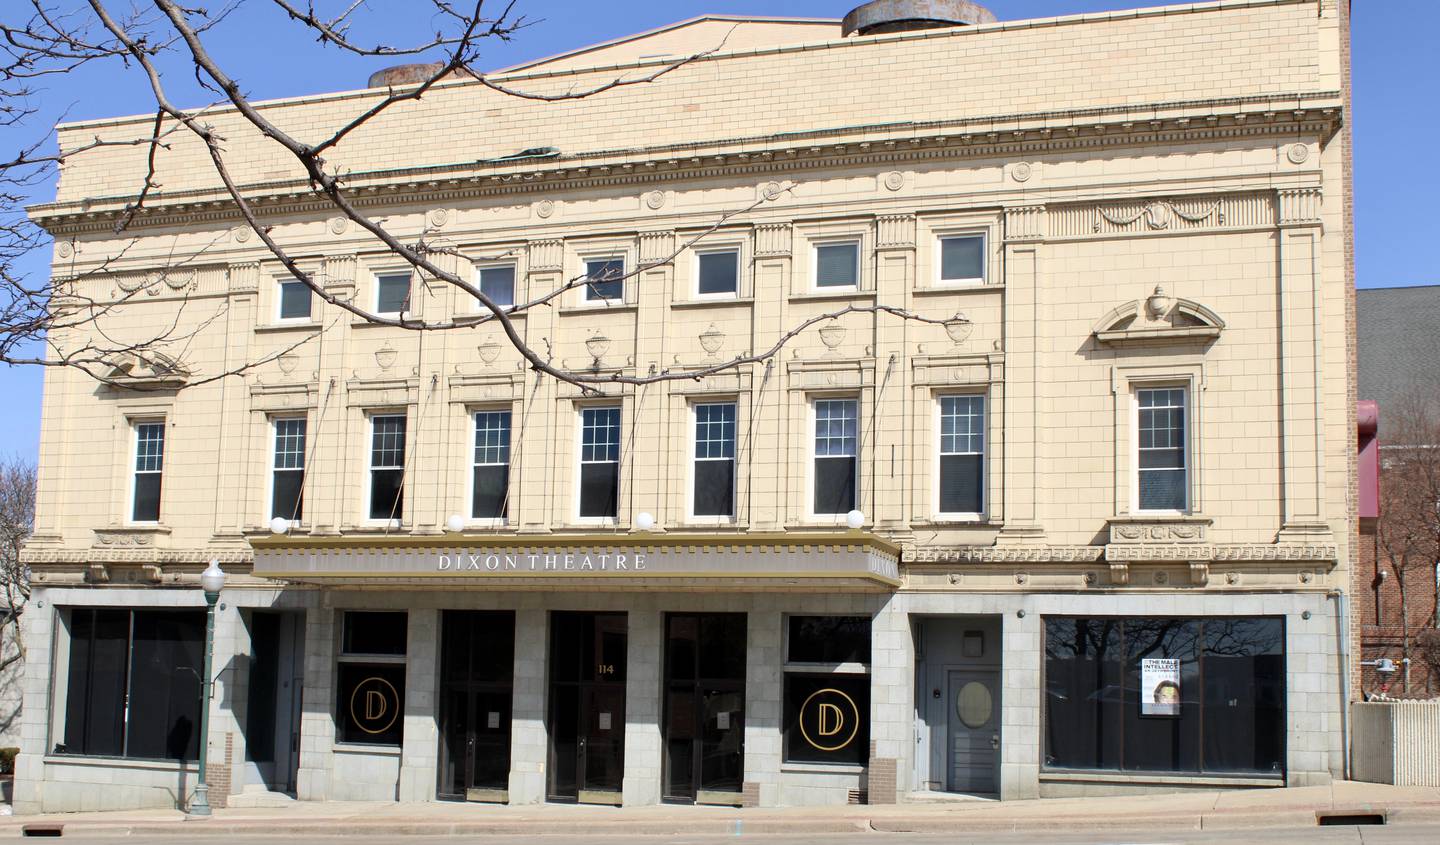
[854, 519]
[644, 520]
[455, 524]
[279, 525]
[212, 580]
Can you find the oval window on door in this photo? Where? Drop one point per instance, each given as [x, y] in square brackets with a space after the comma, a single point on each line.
[974, 705]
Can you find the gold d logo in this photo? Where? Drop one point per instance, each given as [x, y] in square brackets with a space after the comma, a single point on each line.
[374, 705]
[833, 716]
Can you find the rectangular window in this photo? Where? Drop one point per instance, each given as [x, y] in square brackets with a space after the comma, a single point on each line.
[294, 300]
[962, 258]
[605, 280]
[599, 462]
[498, 283]
[288, 470]
[827, 690]
[392, 293]
[837, 265]
[149, 467]
[714, 493]
[387, 467]
[133, 683]
[370, 689]
[1161, 475]
[718, 273]
[490, 484]
[837, 436]
[1165, 695]
[962, 454]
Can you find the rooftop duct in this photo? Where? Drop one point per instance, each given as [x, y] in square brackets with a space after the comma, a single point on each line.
[881, 16]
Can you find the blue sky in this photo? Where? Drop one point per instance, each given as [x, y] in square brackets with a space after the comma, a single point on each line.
[1393, 55]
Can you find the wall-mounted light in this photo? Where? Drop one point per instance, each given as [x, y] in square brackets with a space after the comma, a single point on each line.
[455, 524]
[855, 519]
[644, 520]
[279, 525]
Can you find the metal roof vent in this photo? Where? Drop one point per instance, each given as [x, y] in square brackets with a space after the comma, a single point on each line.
[881, 16]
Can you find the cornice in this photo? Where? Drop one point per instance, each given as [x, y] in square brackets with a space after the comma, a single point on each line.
[1306, 113]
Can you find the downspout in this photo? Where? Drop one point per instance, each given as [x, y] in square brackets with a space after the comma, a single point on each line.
[1342, 624]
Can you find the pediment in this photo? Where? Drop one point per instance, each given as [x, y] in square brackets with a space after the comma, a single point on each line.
[146, 368]
[1158, 319]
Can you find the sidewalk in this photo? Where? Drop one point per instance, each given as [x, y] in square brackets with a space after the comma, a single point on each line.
[1183, 811]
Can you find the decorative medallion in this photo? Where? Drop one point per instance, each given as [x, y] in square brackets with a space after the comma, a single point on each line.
[1158, 215]
[1021, 172]
[64, 249]
[385, 357]
[654, 199]
[439, 217]
[894, 180]
[597, 346]
[1162, 577]
[489, 352]
[287, 363]
[772, 191]
[711, 340]
[832, 336]
[1298, 153]
[959, 328]
[338, 225]
[242, 234]
[544, 208]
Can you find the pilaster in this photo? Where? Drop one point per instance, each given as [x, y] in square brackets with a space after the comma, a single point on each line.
[648, 470]
[770, 462]
[232, 488]
[329, 493]
[420, 749]
[431, 502]
[764, 666]
[317, 724]
[1302, 431]
[643, 748]
[529, 741]
[1025, 228]
[530, 451]
[887, 495]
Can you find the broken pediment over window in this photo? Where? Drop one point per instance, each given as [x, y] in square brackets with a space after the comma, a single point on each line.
[1159, 318]
[146, 369]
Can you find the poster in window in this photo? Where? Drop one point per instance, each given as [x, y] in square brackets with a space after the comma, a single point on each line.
[1159, 686]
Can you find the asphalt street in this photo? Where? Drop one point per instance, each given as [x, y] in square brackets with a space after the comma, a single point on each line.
[1362, 835]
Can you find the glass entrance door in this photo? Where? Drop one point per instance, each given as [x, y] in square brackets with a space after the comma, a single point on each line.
[704, 707]
[477, 670]
[587, 707]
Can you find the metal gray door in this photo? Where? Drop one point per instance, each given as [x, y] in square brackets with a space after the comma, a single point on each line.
[974, 730]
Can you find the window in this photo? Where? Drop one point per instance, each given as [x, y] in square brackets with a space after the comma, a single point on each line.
[837, 265]
[599, 462]
[498, 283]
[370, 691]
[962, 258]
[1165, 695]
[717, 273]
[133, 686]
[962, 455]
[294, 300]
[827, 689]
[490, 484]
[288, 470]
[149, 467]
[836, 439]
[1161, 476]
[606, 279]
[387, 467]
[714, 492]
[392, 293]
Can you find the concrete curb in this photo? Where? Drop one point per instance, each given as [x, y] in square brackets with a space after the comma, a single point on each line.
[958, 822]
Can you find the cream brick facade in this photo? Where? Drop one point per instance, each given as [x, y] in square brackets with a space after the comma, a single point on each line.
[1194, 148]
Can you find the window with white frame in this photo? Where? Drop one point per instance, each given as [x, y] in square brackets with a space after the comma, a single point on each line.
[392, 293]
[497, 281]
[837, 438]
[287, 478]
[714, 487]
[962, 259]
[717, 272]
[387, 466]
[1162, 459]
[605, 279]
[292, 300]
[599, 462]
[149, 469]
[490, 480]
[961, 479]
[837, 265]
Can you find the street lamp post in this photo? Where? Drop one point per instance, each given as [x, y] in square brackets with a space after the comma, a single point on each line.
[212, 581]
